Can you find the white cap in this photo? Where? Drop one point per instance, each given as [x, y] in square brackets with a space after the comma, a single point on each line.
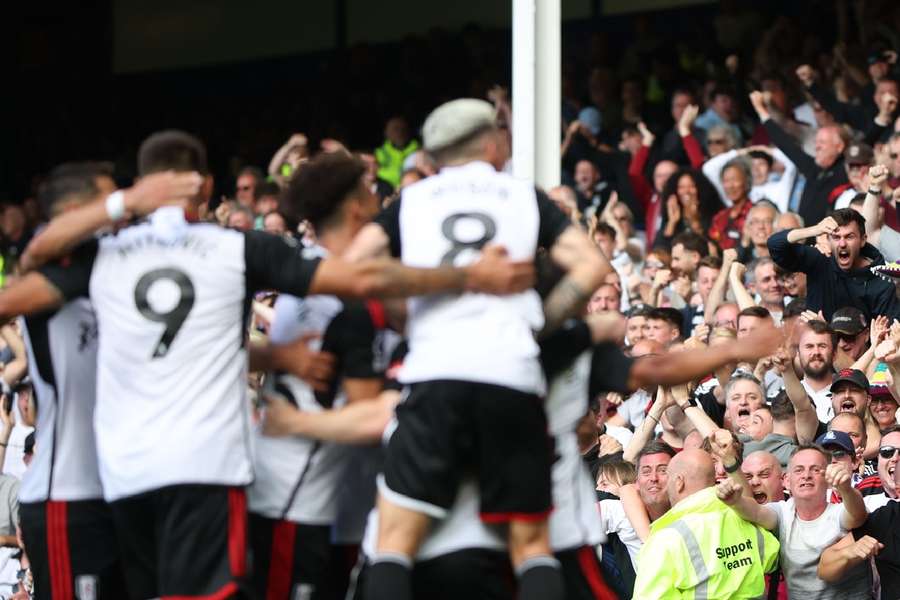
[455, 120]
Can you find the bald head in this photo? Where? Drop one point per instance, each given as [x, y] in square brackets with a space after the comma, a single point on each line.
[690, 471]
[647, 347]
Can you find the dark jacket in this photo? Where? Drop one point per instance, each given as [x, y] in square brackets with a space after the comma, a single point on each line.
[828, 288]
[818, 197]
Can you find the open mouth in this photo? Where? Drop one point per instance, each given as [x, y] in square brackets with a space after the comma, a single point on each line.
[843, 255]
[848, 406]
[804, 486]
[891, 469]
[760, 497]
[743, 412]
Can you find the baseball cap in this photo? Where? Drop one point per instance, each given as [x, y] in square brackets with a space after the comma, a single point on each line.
[848, 320]
[453, 121]
[854, 376]
[836, 438]
[859, 154]
[591, 117]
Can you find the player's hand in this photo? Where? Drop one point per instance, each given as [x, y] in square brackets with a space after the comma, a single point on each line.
[864, 548]
[297, 358]
[606, 326]
[494, 273]
[877, 176]
[278, 416]
[161, 189]
[838, 477]
[729, 491]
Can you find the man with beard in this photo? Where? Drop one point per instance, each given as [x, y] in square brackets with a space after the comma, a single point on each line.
[852, 331]
[849, 393]
[816, 353]
[845, 277]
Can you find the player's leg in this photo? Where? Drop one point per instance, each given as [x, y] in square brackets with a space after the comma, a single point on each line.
[95, 560]
[470, 573]
[421, 477]
[289, 559]
[583, 575]
[202, 532]
[135, 520]
[516, 456]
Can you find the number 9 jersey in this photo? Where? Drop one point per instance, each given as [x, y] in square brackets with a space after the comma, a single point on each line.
[172, 363]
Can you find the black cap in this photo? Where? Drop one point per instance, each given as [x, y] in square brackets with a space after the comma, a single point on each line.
[848, 320]
[836, 438]
[854, 376]
[859, 154]
[29, 443]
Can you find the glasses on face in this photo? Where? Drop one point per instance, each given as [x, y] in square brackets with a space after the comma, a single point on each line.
[654, 265]
[888, 452]
[839, 454]
[846, 337]
[711, 141]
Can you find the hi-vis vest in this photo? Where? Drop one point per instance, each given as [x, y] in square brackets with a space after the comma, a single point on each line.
[703, 549]
[390, 160]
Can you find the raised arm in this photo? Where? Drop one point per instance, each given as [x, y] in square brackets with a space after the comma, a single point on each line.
[877, 177]
[805, 163]
[722, 444]
[644, 432]
[69, 229]
[736, 282]
[804, 413]
[691, 145]
[31, 293]
[731, 493]
[717, 293]
[696, 415]
[635, 511]
[713, 171]
[17, 368]
[780, 192]
[845, 554]
[854, 514]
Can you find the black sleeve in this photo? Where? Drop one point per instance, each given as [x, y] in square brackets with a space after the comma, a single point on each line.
[805, 163]
[553, 221]
[711, 407]
[351, 338]
[880, 523]
[275, 263]
[72, 274]
[610, 369]
[563, 346]
[389, 220]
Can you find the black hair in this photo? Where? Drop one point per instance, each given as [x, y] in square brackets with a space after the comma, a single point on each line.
[692, 242]
[845, 216]
[171, 150]
[266, 188]
[320, 186]
[794, 309]
[707, 196]
[668, 314]
[654, 447]
[782, 409]
[72, 181]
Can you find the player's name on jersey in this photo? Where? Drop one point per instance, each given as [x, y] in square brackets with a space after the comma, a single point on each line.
[199, 245]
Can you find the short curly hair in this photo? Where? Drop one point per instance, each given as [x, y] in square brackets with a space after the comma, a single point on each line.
[320, 186]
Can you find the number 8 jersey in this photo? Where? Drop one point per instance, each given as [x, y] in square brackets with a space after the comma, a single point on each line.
[171, 375]
[447, 219]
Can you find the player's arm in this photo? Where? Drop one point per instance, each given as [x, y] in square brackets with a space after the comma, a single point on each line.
[296, 358]
[15, 369]
[72, 227]
[29, 294]
[845, 554]
[371, 241]
[355, 423]
[677, 367]
[585, 269]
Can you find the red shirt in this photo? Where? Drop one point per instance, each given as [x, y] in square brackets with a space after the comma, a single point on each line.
[726, 229]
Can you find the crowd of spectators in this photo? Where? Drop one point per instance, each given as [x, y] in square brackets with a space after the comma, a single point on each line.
[745, 178]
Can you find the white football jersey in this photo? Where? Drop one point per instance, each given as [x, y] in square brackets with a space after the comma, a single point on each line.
[446, 220]
[298, 478]
[62, 364]
[171, 374]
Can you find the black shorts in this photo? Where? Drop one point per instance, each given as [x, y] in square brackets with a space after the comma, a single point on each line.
[446, 429]
[289, 559]
[471, 573]
[582, 575]
[72, 549]
[184, 541]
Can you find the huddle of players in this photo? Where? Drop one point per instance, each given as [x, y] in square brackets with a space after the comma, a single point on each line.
[158, 452]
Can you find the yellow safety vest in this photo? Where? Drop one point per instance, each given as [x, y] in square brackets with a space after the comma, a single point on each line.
[703, 549]
[390, 161]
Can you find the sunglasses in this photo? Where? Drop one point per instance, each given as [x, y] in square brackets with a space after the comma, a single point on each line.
[888, 452]
[839, 454]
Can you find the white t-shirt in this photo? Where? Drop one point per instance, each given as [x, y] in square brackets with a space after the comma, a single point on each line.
[822, 401]
[613, 520]
[802, 545]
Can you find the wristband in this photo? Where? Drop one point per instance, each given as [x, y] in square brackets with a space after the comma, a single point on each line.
[115, 205]
[733, 468]
[875, 192]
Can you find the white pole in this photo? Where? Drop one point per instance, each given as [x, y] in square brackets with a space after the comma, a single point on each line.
[523, 84]
[548, 111]
[536, 91]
